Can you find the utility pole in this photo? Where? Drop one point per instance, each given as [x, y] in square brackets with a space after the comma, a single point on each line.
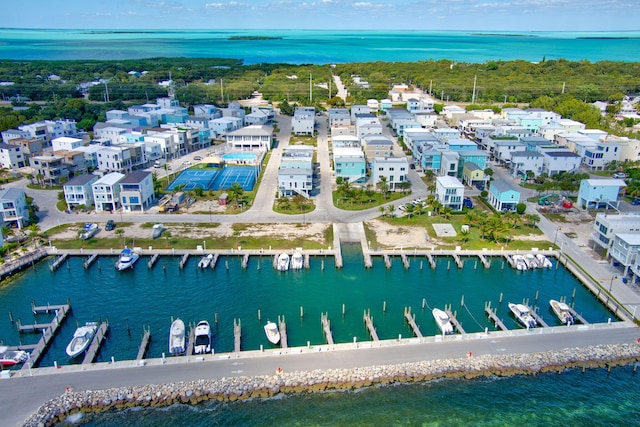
[221, 91]
[430, 84]
[473, 97]
[106, 87]
[563, 86]
[311, 88]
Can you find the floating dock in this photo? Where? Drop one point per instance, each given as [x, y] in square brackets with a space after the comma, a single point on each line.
[368, 320]
[432, 261]
[214, 261]
[282, 327]
[237, 334]
[94, 347]
[144, 345]
[577, 316]
[48, 333]
[411, 319]
[326, 327]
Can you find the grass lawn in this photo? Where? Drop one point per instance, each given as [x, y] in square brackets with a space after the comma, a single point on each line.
[362, 201]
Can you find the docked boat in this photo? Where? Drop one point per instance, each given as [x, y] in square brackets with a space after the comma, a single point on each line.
[177, 338]
[88, 231]
[562, 312]
[283, 262]
[202, 343]
[12, 357]
[205, 261]
[443, 321]
[543, 261]
[272, 332]
[531, 261]
[156, 231]
[523, 315]
[81, 339]
[519, 262]
[297, 261]
[126, 259]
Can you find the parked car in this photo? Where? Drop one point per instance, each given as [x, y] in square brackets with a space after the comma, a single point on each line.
[110, 225]
[635, 202]
[467, 203]
[197, 158]
[619, 175]
[480, 186]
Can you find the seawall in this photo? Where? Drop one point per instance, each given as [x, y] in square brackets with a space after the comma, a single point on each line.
[241, 388]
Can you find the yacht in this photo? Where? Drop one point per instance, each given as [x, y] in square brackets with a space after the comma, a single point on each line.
[12, 357]
[443, 321]
[177, 338]
[519, 262]
[127, 259]
[203, 338]
[282, 263]
[205, 261]
[543, 261]
[82, 337]
[531, 261]
[88, 231]
[562, 312]
[272, 332]
[297, 261]
[523, 314]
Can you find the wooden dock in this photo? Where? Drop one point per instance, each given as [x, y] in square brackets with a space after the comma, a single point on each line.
[537, 317]
[326, 327]
[307, 261]
[387, 260]
[405, 261]
[245, 261]
[237, 334]
[90, 261]
[94, 347]
[510, 260]
[484, 261]
[191, 341]
[282, 327]
[455, 322]
[368, 263]
[58, 262]
[152, 261]
[144, 345]
[21, 263]
[184, 260]
[432, 261]
[214, 261]
[411, 319]
[458, 261]
[368, 320]
[497, 322]
[577, 316]
[48, 333]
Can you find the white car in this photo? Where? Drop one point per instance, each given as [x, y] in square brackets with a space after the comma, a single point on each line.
[619, 175]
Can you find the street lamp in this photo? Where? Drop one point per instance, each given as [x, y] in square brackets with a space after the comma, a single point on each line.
[615, 276]
[555, 236]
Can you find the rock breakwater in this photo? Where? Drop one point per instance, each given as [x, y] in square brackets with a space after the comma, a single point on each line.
[242, 388]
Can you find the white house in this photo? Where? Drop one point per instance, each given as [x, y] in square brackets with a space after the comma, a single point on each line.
[78, 191]
[450, 192]
[13, 207]
[339, 117]
[250, 138]
[523, 161]
[394, 169]
[303, 121]
[66, 143]
[136, 191]
[11, 156]
[106, 192]
[556, 161]
[605, 228]
[295, 175]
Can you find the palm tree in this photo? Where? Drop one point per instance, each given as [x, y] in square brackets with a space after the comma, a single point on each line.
[40, 179]
[409, 208]
[383, 186]
[383, 210]
[446, 211]
[533, 219]
[235, 192]
[33, 231]
[391, 209]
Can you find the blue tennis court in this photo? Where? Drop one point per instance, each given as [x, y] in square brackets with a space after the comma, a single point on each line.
[216, 179]
[195, 178]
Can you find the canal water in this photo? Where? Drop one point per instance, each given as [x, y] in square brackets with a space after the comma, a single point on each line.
[145, 297]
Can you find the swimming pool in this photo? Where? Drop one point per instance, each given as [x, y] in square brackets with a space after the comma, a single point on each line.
[240, 156]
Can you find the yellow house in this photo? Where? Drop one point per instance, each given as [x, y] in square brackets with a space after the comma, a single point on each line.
[472, 174]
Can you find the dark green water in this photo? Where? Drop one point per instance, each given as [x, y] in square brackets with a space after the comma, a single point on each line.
[595, 398]
[151, 297]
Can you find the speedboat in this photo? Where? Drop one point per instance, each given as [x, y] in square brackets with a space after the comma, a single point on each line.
[562, 311]
[88, 231]
[127, 259]
[443, 321]
[203, 338]
[177, 338]
[205, 261]
[523, 314]
[12, 357]
[156, 230]
[283, 262]
[531, 261]
[297, 261]
[81, 339]
[272, 332]
[519, 262]
[543, 261]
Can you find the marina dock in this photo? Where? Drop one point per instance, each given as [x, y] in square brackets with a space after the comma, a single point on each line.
[214, 261]
[484, 261]
[538, 318]
[411, 319]
[510, 261]
[58, 262]
[368, 320]
[282, 327]
[47, 333]
[144, 345]
[455, 322]
[184, 260]
[152, 261]
[405, 261]
[90, 261]
[94, 347]
[387, 261]
[577, 316]
[496, 321]
[21, 263]
[432, 262]
[191, 340]
[245, 261]
[458, 261]
[326, 327]
[237, 334]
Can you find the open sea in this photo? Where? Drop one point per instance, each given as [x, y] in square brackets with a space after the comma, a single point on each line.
[319, 47]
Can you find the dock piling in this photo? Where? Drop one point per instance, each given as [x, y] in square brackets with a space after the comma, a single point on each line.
[259, 317]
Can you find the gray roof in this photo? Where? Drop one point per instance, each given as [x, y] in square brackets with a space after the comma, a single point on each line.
[526, 153]
[81, 179]
[561, 154]
[135, 177]
[11, 194]
[502, 186]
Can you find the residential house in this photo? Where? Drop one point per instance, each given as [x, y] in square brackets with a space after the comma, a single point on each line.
[339, 117]
[605, 228]
[256, 118]
[450, 192]
[472, 175]
[624, 250]
[377, 146]
[426, 118]
[557, 161]
[357, 110]
[504, 148]
[503, 196]
[30, 147]
[373, 105]
[600, 193]
[251, 138]
[303, 121]
[524, 161]
[350, 164]
[295, 175]
[49, 168]
[78, 191]
[66, 143]
[600, 156]
[345, 141]
[106, 192]
[14, 208]
[136, 191]
[394, 169]
[11, 156]
[225, 125]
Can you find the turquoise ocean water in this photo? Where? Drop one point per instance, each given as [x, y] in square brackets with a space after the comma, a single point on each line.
[319, 47]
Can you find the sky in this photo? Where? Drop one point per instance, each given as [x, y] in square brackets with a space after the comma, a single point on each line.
[497, 15]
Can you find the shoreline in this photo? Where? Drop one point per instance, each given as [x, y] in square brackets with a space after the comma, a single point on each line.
[231, 389]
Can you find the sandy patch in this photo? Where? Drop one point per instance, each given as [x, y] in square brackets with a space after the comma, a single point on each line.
[391, 236]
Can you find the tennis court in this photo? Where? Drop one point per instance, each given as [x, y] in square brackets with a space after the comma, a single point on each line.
[243, 175]
[195, 178]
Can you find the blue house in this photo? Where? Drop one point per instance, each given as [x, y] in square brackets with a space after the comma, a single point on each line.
[503, 196]
[599, 193]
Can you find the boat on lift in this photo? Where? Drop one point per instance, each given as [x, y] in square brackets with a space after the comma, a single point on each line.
[523, 314]
[443, 321]
[562, 312]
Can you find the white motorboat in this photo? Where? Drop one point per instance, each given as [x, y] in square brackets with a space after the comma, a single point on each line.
[562, 312]
[272, 332]
[88, 231]
[126, 259]
[297, 261]
[202, 343]
[443, 321]
[205, 261]
[519, 262]
[81, 339]
[156, 231]
[12, 357]
[543, 261]
[177, 338]
[523, 314]
[282, 262]
[531, 261]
